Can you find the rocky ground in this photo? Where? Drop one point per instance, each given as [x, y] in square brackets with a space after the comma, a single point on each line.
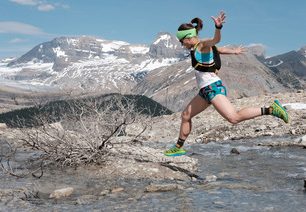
[145, 159]
[209, 126]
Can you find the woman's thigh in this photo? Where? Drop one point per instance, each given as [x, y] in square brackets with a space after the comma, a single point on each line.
[224, 107]
[195, 106]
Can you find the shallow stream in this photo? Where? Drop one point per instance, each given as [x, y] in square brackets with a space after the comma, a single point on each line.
[260, 178]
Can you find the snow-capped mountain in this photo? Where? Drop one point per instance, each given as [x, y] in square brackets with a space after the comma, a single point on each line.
[90, 63]
[167, 46]
[159, 71]
[290, 68]
[7, 60]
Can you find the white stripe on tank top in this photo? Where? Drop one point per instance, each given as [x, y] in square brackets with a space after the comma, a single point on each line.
[205, 78]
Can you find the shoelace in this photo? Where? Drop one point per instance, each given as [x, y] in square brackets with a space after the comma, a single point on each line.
[174, 149]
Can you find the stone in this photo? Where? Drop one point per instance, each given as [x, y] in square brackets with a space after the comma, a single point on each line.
[59, 193]
[104, 192]
[303, 140]
[211, 178]
[117, 190]
[3, 126]
[260, 128]
[163, 187]
[293, 131]
[268, 134]
[235, 151]
[199, 140]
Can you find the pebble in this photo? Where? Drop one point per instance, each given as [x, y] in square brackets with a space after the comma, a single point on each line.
[104, 192]
[162, 187]
[116, 190]
[59, 193]
[235, 151]
[211, 178]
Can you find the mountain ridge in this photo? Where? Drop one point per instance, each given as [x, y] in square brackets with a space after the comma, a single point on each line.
[161, 70]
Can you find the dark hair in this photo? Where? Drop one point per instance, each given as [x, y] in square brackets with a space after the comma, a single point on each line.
[198, 26]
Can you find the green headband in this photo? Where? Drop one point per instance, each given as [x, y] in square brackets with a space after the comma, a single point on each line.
[186, 33]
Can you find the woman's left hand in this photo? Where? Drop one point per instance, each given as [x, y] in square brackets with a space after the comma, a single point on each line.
[220, 19]
[240, 50]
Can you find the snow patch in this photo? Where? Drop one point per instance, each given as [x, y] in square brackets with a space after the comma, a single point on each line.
[35, 67]
[296, 106]
[7, 60]
[72, 41]
[139, 49]
[154, 64]
[59, 52]
[167, 40]
[112, 46]
[270, 62]
[40, 48]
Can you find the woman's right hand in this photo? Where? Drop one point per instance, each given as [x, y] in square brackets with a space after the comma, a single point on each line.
[220, 19]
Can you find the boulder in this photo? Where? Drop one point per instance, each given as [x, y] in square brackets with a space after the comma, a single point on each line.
[63, 192]
[163, 187]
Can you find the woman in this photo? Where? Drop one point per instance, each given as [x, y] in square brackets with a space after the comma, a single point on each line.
[206, 62]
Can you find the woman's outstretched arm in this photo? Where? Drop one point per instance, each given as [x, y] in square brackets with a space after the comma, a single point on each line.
[217, 36]
[228, 50]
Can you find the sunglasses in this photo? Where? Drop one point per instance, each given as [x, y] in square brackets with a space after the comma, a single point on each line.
[186, 36]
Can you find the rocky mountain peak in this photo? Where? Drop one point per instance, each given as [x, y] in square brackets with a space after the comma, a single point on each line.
[92, 62]
[165, 39]
[166, 46]
[258, 50]
[302, 51]
[63, 51]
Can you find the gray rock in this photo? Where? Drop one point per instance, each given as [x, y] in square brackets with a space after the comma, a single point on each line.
[117, 190]
[235, 151]
[303, 140]
[60, 193]
[104, 192]
[211, 178]
[163, 187]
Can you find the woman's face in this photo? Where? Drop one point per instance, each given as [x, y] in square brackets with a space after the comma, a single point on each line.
[188, 42]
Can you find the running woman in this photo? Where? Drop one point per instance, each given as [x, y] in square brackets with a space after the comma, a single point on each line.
[206, 62]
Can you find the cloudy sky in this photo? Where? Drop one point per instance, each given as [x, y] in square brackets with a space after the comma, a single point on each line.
[278, 25]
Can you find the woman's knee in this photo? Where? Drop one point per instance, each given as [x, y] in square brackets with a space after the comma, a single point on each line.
[233, 119]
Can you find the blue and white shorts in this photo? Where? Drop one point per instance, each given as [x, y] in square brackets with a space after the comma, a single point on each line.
[209, 92]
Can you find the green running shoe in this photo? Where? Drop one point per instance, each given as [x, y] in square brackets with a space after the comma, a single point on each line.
[279, 111]
[175, 151]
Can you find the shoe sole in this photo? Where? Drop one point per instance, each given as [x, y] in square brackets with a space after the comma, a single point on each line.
[177, 154]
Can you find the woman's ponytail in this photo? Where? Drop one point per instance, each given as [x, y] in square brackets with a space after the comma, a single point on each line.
[198, 22]
[186, 26]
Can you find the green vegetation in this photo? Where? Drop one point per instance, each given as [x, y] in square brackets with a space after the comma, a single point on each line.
[57, 110]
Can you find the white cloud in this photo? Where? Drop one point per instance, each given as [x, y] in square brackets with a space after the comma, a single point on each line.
[25, 2]
[17, 40]
[19, 28]
[43, 6]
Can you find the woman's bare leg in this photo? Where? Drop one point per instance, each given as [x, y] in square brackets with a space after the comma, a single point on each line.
[227, 110]
[197, 105]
